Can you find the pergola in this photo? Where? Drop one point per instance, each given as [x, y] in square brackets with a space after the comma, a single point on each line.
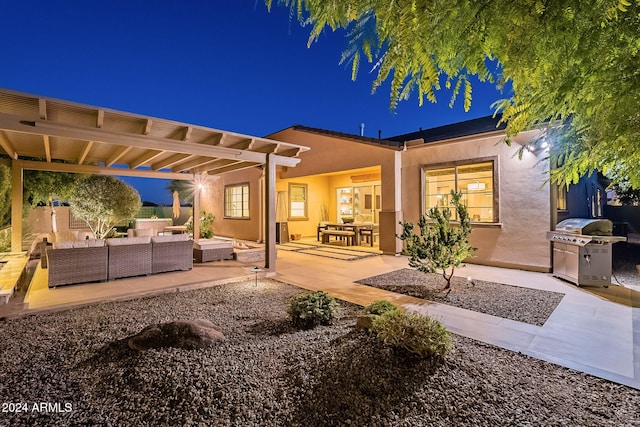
[38, 133]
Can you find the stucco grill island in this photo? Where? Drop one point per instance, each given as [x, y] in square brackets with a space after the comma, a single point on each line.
[582, 250]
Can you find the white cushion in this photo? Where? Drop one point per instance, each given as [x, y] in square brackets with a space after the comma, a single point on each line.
[211, 244]
[128, 241]
[170, 238]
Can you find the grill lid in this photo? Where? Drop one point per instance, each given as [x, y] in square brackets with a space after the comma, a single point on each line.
[586, 226]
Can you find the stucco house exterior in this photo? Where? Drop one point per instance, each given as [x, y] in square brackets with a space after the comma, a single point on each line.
[399, 178]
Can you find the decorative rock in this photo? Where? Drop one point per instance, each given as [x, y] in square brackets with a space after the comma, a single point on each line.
[188, 334]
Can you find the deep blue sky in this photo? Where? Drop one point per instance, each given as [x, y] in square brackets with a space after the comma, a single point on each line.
[229, 65]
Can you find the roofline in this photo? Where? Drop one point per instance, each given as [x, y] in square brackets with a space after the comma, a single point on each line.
[455, 131]
[383, 143]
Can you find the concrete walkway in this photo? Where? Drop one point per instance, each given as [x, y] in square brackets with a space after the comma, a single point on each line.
[593, 330]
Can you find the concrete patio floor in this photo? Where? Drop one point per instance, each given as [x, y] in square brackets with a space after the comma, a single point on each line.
[593, 330]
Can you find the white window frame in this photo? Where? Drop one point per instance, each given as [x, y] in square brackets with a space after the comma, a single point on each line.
[231, 210]
[299, 210]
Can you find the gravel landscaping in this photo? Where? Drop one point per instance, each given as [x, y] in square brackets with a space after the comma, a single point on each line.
[265, 373]
[510, 302]
[626, 265]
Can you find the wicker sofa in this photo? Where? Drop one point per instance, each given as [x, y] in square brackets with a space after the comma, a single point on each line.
[129, 257]
[79, 261]
[171, 252]
[96, 260]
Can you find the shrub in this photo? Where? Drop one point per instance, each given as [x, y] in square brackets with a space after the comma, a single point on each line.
[310, 310]
[206, 225]
[439, 246]
[379, 307]
[5, 239]
[414, 333]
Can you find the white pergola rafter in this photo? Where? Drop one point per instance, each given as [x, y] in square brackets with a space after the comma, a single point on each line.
[85, 152]
[145, 158]
[170, 161]
[218, 164]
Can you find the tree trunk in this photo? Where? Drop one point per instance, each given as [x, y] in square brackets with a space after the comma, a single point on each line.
[54, 223]
[448, 279]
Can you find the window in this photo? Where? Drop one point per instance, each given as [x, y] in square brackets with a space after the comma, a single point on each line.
[476, 182]
[298, 201]
[236, 201]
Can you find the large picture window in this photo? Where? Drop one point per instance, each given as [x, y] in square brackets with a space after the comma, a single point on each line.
[476, 182]
[236, 201]
[298, 194]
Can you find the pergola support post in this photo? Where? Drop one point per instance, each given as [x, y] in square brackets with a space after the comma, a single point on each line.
[17, 175]
[270, 213]
[196, 210]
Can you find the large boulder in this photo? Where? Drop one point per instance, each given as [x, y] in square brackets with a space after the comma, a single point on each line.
[188, 334]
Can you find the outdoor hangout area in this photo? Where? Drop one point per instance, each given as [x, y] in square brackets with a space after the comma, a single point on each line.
[449, 241]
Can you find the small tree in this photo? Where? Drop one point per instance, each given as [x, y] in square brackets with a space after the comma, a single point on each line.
[103, 201]
[440, 245]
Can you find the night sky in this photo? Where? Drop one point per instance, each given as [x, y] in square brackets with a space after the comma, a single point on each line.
[228, 65]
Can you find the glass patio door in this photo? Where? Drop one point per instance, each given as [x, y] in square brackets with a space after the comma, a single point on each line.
[367, 202]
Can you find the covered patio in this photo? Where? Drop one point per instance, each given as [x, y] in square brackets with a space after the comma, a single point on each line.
[39, 133]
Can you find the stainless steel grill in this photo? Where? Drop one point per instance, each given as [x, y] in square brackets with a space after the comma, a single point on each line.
[582, 251]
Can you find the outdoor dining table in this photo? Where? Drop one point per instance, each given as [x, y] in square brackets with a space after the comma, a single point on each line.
[351, 226]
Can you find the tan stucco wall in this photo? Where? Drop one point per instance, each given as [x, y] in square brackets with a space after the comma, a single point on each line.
[39, 219]
[319, 191]
[212, 200]
[524, 200]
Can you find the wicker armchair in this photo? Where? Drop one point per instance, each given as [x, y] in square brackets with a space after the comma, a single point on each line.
[77, 262]
[129, 257]
[172, 252]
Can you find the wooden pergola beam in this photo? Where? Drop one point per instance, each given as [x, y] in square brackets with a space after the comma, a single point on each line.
[100, 170]
[170, 161]
[144, 158]
[7, 146]
[85, 152]
[117, 155]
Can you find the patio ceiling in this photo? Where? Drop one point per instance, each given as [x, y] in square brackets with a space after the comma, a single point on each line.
[50, 134]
